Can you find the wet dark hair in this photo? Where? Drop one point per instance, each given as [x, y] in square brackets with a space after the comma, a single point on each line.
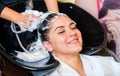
[44, 25]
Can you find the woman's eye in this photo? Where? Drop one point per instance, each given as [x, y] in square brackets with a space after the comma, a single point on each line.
[73, 26]
[61, 31]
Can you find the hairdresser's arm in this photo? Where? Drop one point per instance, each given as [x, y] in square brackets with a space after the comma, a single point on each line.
[13, 16]
[52, 5]
[89, 5]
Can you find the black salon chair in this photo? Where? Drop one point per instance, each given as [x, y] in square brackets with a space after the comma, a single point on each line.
[94, 39]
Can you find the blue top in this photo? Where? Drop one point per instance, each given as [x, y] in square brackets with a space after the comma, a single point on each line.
[4, 3]
[1, 7]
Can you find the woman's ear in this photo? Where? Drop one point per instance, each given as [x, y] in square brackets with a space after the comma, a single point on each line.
[47, 46]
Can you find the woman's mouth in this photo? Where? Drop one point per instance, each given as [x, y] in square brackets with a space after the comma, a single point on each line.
[74, 41]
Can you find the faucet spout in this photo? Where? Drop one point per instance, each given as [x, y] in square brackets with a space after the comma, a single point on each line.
[29, 5]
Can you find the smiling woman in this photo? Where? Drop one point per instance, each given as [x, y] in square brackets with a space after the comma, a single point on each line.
[60, 33]
[62, 38]
[93, 35]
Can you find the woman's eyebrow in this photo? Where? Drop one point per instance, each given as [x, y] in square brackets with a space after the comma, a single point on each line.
[72, 23]
[64, 26]
[59, 27]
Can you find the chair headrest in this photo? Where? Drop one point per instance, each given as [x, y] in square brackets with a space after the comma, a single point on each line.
[94, 35]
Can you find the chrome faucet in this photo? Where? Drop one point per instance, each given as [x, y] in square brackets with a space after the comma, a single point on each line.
[29, 5]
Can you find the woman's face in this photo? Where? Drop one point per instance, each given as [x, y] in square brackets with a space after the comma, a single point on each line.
[64, 37]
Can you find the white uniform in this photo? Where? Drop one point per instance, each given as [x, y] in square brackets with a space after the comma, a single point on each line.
[93, 66]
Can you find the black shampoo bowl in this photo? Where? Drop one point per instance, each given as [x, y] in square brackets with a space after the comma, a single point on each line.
[94, 38]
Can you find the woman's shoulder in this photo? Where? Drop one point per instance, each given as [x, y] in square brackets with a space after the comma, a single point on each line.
[106, 65]
[98, 58]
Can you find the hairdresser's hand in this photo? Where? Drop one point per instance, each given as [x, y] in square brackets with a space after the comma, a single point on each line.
[26, 20]
[30, 20]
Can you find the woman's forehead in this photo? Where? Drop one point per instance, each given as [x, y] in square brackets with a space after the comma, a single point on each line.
[61, 20]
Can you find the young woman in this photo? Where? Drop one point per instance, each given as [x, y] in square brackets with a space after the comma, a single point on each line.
[61, 37]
